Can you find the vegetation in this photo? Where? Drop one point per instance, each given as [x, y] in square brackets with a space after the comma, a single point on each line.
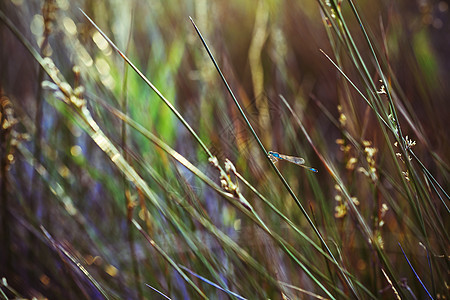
[135, 149]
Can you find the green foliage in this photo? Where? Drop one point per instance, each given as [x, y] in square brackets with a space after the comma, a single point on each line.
[134, 157]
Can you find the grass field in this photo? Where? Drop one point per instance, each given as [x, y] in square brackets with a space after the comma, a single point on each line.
[135, 145]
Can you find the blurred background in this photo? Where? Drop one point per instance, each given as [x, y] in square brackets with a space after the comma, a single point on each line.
[66, 207]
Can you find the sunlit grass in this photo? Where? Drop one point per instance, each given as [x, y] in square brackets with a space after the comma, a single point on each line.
[135, 158]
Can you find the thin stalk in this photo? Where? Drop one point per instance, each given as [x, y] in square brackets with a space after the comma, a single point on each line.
[148, 82]
[246, 257]
[84, 118]
[34, 194]
[380, 71]
[75, 262]
[159, 292]
[225, 290]
[398, 135]
[4, 202]
[168, 259]
[415, 273]
[294, 254]
[291, 192]
[128, 202]
[366, 229]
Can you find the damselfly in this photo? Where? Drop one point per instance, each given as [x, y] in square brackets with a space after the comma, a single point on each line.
[275, 156]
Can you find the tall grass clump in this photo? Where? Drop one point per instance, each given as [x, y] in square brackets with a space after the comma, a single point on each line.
[136, 137]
